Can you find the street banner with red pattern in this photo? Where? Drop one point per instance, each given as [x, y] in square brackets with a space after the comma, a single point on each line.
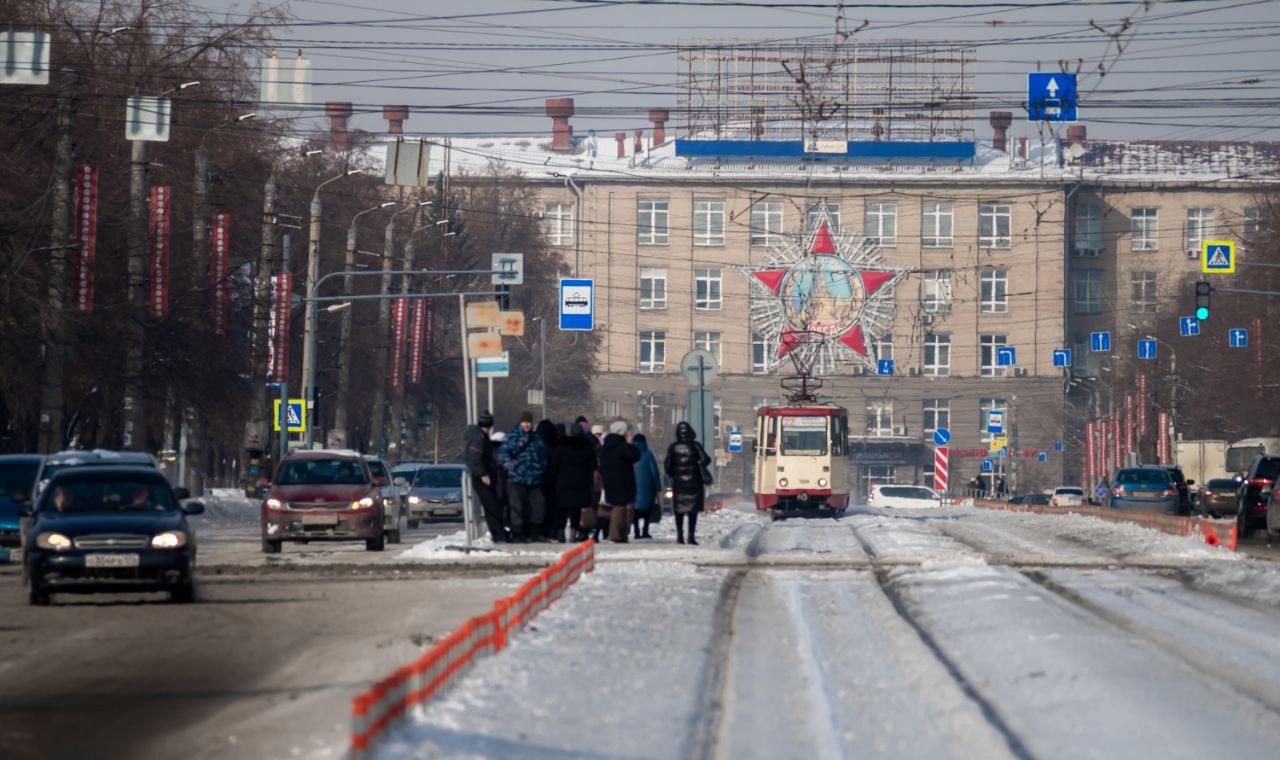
[219, 242]
[1129, 443]
[86, 237]
[1143, 400]
[1090, 456]
[418, 335]
[278, 346]
[1162, 438]
[397, 342]
[158, 293]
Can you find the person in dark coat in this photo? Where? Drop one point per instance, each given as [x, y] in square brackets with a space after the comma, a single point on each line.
[648, 481]
[683, 465]
[525, 458]
[482, 466]
[617, 471]
[551, 520]
[573, 470]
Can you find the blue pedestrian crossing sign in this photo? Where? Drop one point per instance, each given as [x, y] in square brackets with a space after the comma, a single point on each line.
[1238, 337]
[1146, 349]
[1006, 356]
[941, 437]
[986, 465]
[1059, 446]
[1042, 456]
[1100, 341]
[735, 442]
[1188, 326]
[577, 304]
[884, 367]
[292, 415]
[1051, 96]
[1218, 257]
[1062, 357]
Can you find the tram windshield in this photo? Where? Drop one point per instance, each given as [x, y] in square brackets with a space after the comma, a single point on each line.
[804, 436]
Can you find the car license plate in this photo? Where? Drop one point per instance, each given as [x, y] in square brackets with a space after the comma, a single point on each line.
[110, 560]
[320, 520]
[448, 511]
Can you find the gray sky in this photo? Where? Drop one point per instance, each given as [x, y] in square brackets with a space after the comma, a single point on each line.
[1186, 70]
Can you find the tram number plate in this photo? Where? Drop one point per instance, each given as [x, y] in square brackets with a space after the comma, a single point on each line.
[804, 422]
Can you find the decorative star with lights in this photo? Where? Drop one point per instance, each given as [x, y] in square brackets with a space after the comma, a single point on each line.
[822, 297]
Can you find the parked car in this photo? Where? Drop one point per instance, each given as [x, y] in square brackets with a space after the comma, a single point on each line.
[1031, 498]
[323, 495]
[1184, 488]
[436, 491]
[1147, 489]
[1067, 496]
[904, 497]
[1272, 520]
[112, 529]
[402, 476]
[1217, 498]
[391, 503]
[55, 463]
[1251, 497]
[17, 478]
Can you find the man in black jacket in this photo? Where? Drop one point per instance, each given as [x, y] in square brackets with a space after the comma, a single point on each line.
[617, 470]
[482, 466]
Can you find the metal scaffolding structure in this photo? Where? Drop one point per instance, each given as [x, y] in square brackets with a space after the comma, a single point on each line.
[856, 90]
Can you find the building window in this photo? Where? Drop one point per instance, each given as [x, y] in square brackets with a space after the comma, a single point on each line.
[937, 414]
[1199, 229]
[651, 222]
[882, 347]
[1082, 359]
[813, 213]
[1143, 229]
[1088, 230]
[716, 417]
[1249, 224]
[559, 223]
[995, 291]
[993, 225]
[1144, 292]
[989, 346]
[985, 407]
[936, 296]
[877, 475]
[937, 355]
[708, 222]
[766, 222]
[761, 351]
[653, 288]
[706, 289]
[610, 409]
[879, 418]
[653, 350]
[936, 225]
[1088, 289]
[710, 342]
[882, 223]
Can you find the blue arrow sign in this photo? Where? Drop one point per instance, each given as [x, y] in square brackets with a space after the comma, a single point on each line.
[1042, 456]
[1006, 356]
[884, 367]
[1062, 357]
[1238, 337]
[1051, 96]
[1188, 326]
[941, 437]
[986, 465]
[1059, 446]
[1100, 341]
[1146, 349]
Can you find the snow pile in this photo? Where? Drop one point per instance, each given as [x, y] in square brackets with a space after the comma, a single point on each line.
[228, 508]
[1249, 579]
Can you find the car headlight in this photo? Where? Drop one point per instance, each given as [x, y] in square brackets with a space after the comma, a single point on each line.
[54, 541]
[275, 504]
[782, 482]
[364, 503]
[170, 539]
[415, 499]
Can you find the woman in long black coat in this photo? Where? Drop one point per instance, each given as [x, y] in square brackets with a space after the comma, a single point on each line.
[553, 526]
[684, 465]
[573, 468]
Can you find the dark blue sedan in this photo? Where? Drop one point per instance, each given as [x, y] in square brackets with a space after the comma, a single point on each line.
[17, 476]
[1145, 489]
[114, 529]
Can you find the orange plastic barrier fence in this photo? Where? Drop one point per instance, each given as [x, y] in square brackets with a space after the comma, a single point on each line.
[390, 698]
[1212, 533]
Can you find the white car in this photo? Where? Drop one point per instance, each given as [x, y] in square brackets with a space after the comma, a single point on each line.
[1067, 496]
[904, 497]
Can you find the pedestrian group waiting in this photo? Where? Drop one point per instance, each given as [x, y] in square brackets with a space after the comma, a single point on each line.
[534, 483]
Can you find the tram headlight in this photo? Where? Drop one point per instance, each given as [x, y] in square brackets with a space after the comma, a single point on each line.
[822, 482]
[782, 482]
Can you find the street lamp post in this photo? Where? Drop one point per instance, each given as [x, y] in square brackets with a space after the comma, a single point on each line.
[377, 414]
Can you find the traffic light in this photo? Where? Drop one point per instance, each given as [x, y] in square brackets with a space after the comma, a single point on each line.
[1202, 300]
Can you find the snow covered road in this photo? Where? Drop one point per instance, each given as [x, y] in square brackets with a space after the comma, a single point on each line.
[955, 633]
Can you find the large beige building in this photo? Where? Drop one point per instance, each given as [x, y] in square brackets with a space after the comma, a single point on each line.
[1030, 248]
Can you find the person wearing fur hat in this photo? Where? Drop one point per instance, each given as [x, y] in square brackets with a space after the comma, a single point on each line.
[524, 456]
[684, 465]
[617, 469]
[482, 466]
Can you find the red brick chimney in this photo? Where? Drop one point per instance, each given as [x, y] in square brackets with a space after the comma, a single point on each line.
[560, 109]
[621, 137]
[338, 113]
[1076, 134]
[395, 116]
[639, 145]
[659, 117]
[1000, 121]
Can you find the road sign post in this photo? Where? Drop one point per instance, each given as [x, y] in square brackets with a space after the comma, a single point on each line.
[1238, 337]
[735, 442]
[1218, 257]
[884, 367]
[1188, 326]
[1062, 357]
[1100, 341]
[1147, 348]
[1006, 356]
[1051, 96]
[995, 422]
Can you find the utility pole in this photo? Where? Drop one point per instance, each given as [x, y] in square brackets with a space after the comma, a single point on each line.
[259, 397]
[137, 268]
[377, 421]
[54, 325]
[409, 264]
[192, 456]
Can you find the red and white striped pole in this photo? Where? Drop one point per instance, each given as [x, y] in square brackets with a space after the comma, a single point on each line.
[941, 468]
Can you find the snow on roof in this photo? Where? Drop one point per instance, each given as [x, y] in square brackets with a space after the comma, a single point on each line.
[593, 159]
